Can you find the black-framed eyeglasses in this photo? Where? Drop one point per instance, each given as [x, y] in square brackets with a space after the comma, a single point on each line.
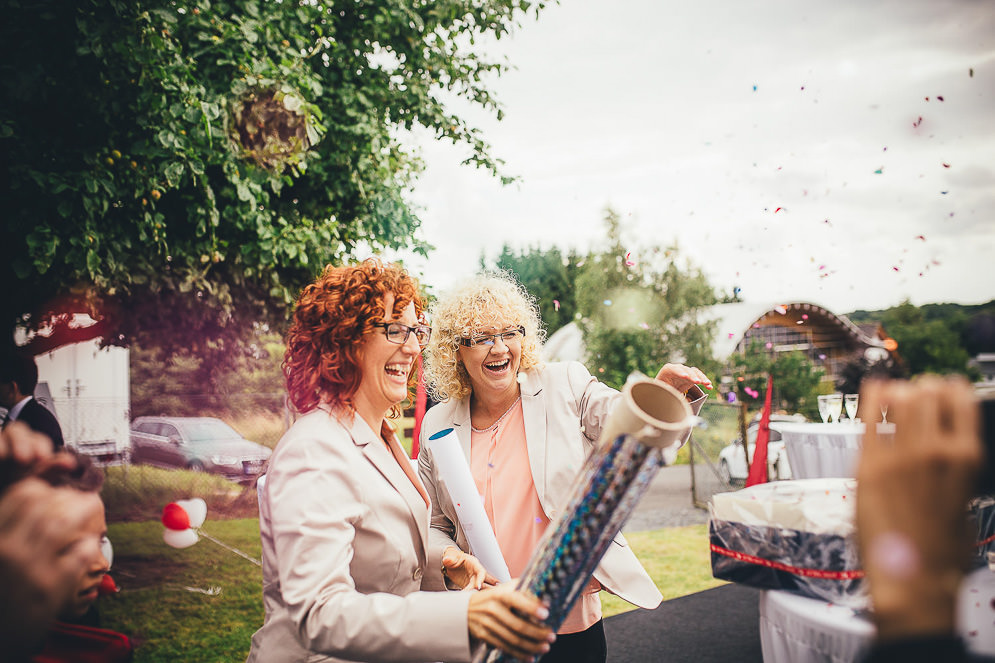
[398, 333]
[510, 336]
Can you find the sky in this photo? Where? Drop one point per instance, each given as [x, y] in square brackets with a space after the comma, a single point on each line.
[840, 153]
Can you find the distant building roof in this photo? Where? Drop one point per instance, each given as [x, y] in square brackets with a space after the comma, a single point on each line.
[822, 327]
[734, 322]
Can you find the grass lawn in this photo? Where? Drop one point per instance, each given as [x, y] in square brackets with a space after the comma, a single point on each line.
[203, 603]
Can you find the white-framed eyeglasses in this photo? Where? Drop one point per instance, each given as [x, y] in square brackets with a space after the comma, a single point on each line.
[509, 336]
[398, 333]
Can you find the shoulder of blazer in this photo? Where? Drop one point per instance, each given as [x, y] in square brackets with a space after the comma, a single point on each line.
[439, 416]
[571, 374]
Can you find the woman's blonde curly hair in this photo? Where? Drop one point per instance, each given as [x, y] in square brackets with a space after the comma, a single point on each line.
[491, 298]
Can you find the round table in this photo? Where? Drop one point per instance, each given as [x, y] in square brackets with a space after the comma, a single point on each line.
[822, 450]
[797, 629]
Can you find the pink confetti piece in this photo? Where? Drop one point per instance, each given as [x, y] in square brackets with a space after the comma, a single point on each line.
[731, 334]
[644, 325]
[946, 165]
[917, 122]
[804, 316]
[769, 345]
[894, 268]
[628, 261]
[922, 237]
[778, 210]
[939, 97]
[556, 304]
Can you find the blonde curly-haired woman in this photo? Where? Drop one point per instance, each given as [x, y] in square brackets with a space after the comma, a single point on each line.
[526, 428]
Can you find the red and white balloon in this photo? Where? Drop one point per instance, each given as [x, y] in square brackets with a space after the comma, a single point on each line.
[181, 519]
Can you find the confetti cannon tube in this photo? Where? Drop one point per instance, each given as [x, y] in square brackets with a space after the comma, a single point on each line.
[651, 419]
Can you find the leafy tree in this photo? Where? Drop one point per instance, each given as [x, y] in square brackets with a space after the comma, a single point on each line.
[796, 379]
[190, 386]
[179, 171]
[549, 277]
[926, 346]
[639, 312]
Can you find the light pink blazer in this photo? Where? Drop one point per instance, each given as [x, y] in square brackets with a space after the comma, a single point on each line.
[345, 545]
[564, 408]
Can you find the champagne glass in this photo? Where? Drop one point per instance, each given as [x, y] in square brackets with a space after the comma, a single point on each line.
[823, 407]
[835, 402]
[850, 402]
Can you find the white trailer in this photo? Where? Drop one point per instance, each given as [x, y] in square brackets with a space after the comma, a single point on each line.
[90, 388]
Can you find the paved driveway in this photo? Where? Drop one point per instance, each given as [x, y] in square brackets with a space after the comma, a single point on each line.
[667, 502]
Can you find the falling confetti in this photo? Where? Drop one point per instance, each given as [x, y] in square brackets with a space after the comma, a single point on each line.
[755, 87]
[922, 237]
[769, 345]
[731, 334]
[894, 268]
[879, 171]
[946, 165]
[917, 122]
[607, 302]
[939, 98]
[731, 397]
[556, 304]
[644, 325]
[629, 262]
[822, 357]
[778, 210]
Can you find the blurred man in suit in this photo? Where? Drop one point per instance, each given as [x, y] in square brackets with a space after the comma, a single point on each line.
[18, 379]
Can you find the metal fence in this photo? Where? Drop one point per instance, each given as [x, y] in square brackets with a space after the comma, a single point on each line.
[720, 429]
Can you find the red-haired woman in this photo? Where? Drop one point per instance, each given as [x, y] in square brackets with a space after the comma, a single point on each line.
[343, 517]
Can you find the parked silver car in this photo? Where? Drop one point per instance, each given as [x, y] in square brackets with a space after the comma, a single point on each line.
[732, 463]
[204, 444]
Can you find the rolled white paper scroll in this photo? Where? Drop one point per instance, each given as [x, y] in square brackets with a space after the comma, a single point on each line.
[454, 472]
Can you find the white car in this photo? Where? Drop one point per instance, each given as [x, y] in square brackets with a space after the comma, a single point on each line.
[732, 464]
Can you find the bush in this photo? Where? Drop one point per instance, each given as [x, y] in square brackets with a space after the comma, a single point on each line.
[138, 492]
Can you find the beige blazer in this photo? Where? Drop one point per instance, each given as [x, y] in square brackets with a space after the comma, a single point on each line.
[564, 408]
[345, 544]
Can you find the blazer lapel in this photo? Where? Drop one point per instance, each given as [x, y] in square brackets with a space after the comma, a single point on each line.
[461, 425]
[376, 451]
[534, 413]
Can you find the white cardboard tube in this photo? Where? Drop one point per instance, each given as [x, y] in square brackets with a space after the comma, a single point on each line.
[454, 472]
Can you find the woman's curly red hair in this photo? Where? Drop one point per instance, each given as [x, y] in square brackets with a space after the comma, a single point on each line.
[321, 363]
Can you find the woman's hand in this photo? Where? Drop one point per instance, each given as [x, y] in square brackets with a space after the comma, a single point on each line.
[507, 619]
[464, 570]
[682, 377]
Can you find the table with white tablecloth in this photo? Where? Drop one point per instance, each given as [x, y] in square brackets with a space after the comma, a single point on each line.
[798, 629]
[822, 450]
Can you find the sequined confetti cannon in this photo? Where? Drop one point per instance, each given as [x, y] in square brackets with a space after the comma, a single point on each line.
[644, 431]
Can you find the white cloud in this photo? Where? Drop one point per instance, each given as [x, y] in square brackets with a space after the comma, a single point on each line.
[650, 107]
